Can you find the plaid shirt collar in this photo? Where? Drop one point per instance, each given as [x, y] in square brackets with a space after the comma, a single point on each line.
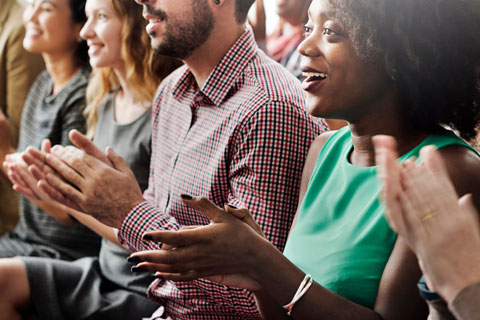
[224, 75]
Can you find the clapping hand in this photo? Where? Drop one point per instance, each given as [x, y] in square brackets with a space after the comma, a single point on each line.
[423, 207]
[220, 251]
[88, 180]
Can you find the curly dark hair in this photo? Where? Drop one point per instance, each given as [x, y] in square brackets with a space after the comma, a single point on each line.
[431, 49]
[77, 7]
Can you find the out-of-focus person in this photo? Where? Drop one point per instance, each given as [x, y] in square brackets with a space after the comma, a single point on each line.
[18, 69]
[443, 230]
[53, 107]
[282, 43]
[126, 73]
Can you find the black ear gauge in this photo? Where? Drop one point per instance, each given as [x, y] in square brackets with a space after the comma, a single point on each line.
[217, 2]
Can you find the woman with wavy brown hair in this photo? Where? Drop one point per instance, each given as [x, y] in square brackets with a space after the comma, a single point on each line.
[126, 73]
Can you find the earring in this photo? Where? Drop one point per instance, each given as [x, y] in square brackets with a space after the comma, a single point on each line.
[217, 2]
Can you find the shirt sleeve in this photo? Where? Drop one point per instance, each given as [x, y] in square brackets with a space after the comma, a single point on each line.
[267, 164]
[267, 155]
[145, 216]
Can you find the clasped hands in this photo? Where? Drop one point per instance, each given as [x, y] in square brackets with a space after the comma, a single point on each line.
[81, 177]
[223, 251]
[423, 207]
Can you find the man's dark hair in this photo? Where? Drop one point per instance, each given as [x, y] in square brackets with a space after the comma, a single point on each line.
[431, 49]
[241, 9]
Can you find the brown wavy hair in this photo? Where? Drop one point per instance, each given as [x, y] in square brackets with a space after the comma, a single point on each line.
[144, 69]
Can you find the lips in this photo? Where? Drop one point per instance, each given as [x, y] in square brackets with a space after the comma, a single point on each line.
[32, 32]
[154, 18]
[313, 79]
[153, 23]
[93, 48]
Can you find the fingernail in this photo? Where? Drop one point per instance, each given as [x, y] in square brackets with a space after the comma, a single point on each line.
[133, 259]
[136, 269]
[147, 237]
[233, 207]
[186, 197]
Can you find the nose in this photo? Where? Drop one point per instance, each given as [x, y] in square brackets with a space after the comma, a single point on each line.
[30, 13]
[87, 31]
[309, 47]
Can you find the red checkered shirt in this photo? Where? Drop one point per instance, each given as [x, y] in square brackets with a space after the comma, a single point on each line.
[242, 139]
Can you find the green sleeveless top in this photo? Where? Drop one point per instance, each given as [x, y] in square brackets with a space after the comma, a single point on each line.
[342, 237]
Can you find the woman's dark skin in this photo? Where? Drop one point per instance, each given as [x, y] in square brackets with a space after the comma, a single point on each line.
[364, 95]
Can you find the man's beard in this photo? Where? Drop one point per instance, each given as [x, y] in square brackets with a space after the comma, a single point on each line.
[182, 38]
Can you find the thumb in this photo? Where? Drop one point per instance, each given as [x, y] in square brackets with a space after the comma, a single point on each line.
[205, 206]
[46, 146]
[117, 161]
[245, 216]
[433, 160]
[85, 144]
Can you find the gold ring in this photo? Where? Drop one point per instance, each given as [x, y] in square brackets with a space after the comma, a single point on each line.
[429, 215]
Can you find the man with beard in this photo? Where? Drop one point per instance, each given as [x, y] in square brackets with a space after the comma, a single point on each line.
[230, 125]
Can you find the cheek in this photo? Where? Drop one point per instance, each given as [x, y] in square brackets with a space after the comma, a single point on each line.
[59, 29]
[113, 40]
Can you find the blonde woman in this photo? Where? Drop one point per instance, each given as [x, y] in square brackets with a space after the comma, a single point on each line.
[126, 75]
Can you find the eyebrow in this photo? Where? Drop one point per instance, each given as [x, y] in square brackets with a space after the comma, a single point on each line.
[49, 2]
[325, 15]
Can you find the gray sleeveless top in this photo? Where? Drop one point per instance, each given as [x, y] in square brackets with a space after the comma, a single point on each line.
[50, 116]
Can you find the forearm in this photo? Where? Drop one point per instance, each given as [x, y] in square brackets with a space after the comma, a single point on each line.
[280, 280]
[268, 307]
[96, 226]
[55, 211]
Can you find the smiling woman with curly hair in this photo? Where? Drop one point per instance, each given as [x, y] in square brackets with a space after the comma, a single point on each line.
[405, 68]
[431, 50]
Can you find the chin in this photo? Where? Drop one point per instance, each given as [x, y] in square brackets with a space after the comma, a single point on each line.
[31, 47]
[156, 43]
[96, 64]
[319, 110]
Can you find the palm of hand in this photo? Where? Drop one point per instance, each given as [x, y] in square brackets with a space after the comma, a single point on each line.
[222, 251]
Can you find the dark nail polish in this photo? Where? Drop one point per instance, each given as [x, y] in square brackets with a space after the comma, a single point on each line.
[186, 197]
[157, 276]
[233, 207]
[133, 259]
[147, 237]
[136, 269]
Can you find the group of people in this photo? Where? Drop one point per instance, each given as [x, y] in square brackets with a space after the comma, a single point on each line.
[220, 177]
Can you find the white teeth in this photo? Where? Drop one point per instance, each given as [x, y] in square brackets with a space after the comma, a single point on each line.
[155, 21]
[315, 74]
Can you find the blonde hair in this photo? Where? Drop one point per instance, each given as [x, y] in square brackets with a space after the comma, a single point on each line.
[144, 69]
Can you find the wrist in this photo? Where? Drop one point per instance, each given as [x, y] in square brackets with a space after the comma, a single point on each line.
[452, 289]
[463, 273]
[263, 257]
[6, 151]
